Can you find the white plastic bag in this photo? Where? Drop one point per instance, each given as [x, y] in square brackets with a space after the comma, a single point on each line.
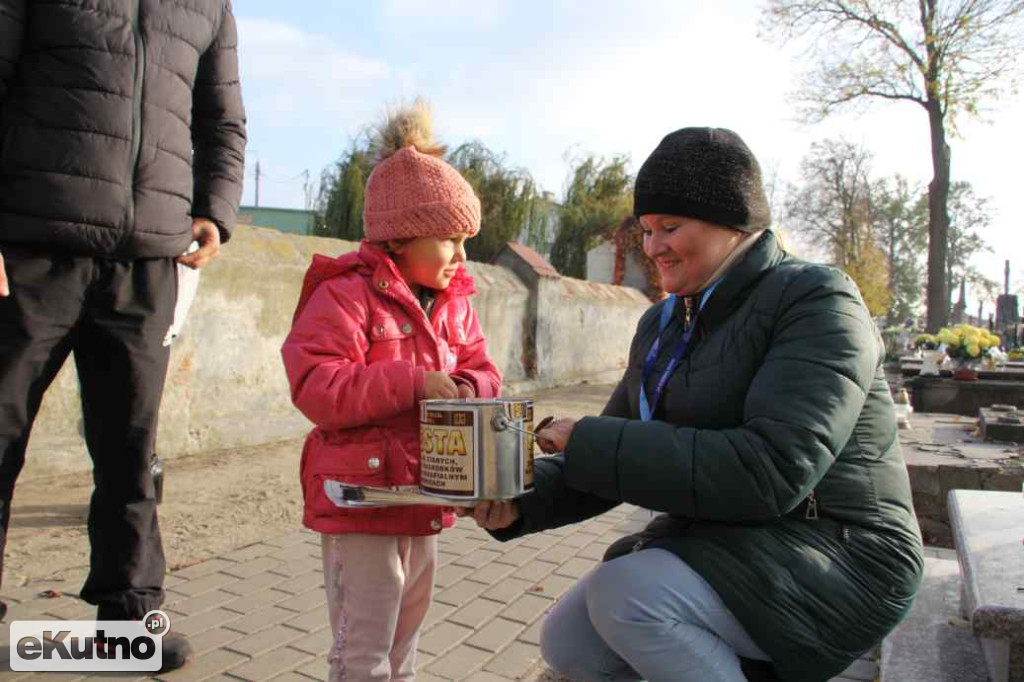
[188, 285]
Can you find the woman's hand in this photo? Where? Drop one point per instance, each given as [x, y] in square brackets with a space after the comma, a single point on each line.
[555, 437]
[492, 515]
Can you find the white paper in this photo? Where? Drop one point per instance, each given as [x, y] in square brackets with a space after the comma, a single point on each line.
[334, 490]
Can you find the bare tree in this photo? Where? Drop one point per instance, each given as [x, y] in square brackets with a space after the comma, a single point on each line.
[948, 56]
[985, 289]
[833, 209]
[969, 216]
[772, 186]
[901, 223]
[830, 208]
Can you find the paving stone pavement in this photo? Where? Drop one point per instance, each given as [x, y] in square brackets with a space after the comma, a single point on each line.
[259, 612]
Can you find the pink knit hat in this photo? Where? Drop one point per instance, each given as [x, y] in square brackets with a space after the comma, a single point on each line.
[411, 191]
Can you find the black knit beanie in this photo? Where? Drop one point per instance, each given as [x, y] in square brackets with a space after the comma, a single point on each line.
[704, 173]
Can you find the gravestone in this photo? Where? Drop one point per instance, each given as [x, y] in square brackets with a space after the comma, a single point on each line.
[987, 530]
[1004, 423]
[949, 396]
[1007, 315]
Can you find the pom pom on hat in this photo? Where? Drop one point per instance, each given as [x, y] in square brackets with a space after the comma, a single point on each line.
[411, 126]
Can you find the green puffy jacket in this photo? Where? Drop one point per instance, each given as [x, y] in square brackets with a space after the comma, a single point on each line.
[779, 407]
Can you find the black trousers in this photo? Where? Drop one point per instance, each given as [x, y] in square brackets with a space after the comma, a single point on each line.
[113, 315]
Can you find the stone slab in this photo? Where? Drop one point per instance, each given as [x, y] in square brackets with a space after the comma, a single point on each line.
[988, 528]
[911, 367]
[945, 452]
[1001, 426]
[949, 439]
[926, 647]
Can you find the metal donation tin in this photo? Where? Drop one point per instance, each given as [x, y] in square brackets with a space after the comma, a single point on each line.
[476, 449]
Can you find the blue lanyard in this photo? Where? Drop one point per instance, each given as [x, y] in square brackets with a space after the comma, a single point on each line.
[647, 406]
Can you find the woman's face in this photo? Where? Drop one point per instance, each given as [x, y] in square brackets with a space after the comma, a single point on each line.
[686, 251]
[430, 261]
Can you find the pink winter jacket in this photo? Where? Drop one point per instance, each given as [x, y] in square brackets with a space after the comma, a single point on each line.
[356, 358]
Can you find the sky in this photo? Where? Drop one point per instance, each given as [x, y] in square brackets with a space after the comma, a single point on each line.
[543, 81]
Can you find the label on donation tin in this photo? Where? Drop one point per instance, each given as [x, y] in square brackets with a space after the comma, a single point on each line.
[448, 452]
[523, 410]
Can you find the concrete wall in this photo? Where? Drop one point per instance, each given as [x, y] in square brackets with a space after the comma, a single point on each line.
[501, 302]
[584, 329]
[601, 262]
[635, 275]
[601, 267]
[226, 386]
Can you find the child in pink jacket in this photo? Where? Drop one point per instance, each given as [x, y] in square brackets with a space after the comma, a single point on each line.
[375, 332]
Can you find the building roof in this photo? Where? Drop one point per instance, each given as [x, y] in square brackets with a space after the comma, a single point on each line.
[273, 209]
[533, 259]
[296, 221]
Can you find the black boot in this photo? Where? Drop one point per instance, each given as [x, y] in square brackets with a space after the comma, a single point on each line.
[177, 651]
[3, 611]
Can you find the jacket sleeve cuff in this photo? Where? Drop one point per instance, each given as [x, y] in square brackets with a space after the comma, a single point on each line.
[217, 211]
[592, 456]
[533, 513]
[462, 380]
[224, 233]
[419, 385]
[516, 530]
[479, 381]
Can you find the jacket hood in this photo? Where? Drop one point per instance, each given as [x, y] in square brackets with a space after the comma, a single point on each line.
[371, 262]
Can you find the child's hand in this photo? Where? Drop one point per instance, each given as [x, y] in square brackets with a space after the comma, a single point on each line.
[441, 386]
[466, 391]
[492, 515]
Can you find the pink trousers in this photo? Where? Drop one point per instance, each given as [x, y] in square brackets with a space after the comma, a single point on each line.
[378, 591]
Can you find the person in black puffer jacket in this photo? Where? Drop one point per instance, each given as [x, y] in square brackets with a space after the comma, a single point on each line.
[755, 416]
[122, 138]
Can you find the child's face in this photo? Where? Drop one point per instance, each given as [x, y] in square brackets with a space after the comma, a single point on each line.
[430, 261]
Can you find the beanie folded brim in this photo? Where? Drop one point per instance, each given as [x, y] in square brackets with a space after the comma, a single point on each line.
[439, 219]
[663, 204]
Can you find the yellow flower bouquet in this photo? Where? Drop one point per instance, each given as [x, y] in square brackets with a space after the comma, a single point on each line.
[925, 342]
[965, 343]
